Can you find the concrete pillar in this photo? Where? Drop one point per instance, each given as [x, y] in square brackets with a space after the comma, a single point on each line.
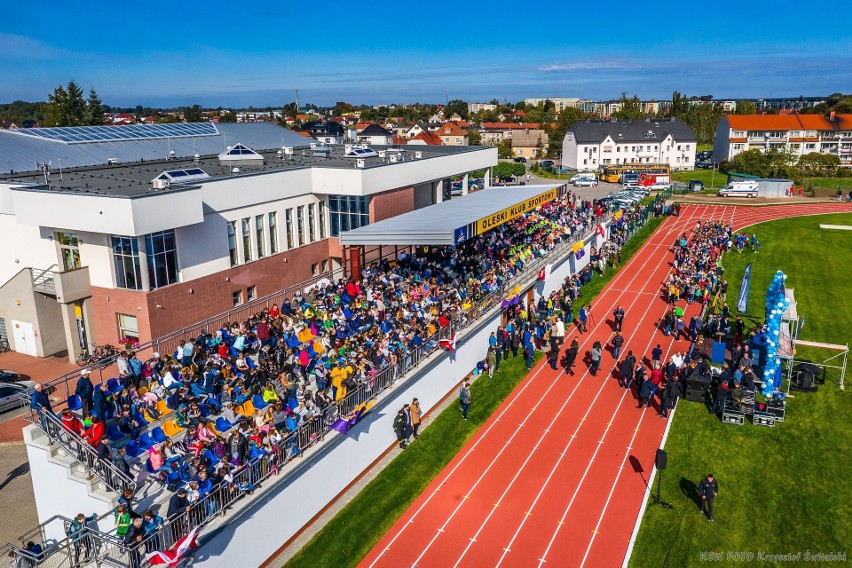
[486, 182]
[143, 265]
[355, 252]
[464, 184]
[438, 191]
[69, 327]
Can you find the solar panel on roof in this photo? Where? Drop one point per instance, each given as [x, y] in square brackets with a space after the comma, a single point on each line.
[83, 134]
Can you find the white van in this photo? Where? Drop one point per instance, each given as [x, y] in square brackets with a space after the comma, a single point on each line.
[740, 189]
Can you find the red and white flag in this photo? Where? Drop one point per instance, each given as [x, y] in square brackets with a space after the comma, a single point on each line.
[544, 273]
[174, 555]
[601, 231]
[448, 344]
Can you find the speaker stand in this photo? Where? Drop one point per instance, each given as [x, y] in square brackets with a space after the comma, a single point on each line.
[655, 499]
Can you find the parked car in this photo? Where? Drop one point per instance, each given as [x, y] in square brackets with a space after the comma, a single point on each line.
[15, 395]
[659, 186]
[740, 189]
[521, 159]
[9, 376]
[695, 185]
[546, 165]
[584, 182]
[704, 165]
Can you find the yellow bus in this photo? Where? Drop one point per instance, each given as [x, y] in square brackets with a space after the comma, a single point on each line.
[615, 173]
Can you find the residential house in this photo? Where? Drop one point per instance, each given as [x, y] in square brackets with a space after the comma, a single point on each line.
[375, 135]
[474, 108]
[591, 144]
[326, 132]
[529, 143]
[799, 134]
[426, 139]
[452, 135]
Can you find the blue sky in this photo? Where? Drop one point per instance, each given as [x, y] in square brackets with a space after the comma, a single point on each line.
[236, 54]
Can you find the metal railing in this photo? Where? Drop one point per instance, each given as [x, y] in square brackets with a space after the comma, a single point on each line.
[111, 551]
[44, 280]
[81, 451]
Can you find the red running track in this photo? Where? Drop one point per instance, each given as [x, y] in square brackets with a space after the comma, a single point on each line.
[557, 475]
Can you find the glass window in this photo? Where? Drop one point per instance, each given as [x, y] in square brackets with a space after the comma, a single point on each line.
[232, 242]
[237, 298]
[273, 233]
[325, 266]
[261, 240]
[322, 219]
[128, 328]
[315, 269]
[300, 224]
[251, 293]
[162, 258]
[69, 250]
[312, 236]
[246, 224]
[125, 256]
[288, 216]
[347, 213]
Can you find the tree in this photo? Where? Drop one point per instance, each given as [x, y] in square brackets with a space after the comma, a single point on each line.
[566, 119]
[193, 114]
[228, 117]
[518, 169]
[65, 106]
[816, 164]
[746, 107]
[340, 108]
[504, 170]
[94, 115]
[456, 106]
[504, 148]
[474, 137]
[75, 105]
[703, 120]
[680, 104]
[630, 108]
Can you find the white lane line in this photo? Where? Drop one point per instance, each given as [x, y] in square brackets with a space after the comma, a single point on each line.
[583, 420]
[588, 467]
[621, 274]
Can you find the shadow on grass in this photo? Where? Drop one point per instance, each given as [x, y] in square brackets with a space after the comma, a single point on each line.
[690, 490]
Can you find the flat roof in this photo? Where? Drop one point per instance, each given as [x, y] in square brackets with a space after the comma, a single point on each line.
[133, 179]
[454, 221]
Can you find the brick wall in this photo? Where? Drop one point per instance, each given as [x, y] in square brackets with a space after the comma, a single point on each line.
[391, 203]
[185, 303]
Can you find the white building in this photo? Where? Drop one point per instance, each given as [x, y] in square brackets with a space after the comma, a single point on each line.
[560, 103]
[140, 230]
[591, 144]
[474, 108]
[799, 134]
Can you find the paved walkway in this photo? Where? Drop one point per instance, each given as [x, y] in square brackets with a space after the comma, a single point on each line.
[16, 493]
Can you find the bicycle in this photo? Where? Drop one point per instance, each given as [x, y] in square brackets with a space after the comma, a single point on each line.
[99, 353]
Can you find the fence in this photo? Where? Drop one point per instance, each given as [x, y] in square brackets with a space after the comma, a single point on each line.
[111, 551]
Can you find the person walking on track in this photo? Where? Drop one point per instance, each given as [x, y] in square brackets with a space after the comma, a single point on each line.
[618, 316]
[617, 342]
[595, 356]
[571, 356]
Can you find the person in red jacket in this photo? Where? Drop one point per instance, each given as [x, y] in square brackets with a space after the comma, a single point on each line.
[93, 433]
[71, 422]
[656, 378]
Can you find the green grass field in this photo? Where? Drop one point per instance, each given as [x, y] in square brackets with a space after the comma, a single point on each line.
[785, 489]
[353, 532]
[706, 176]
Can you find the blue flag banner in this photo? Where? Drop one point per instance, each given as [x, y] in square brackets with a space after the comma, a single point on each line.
[742, 299]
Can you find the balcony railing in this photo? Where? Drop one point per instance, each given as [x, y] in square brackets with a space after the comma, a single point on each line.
[44, 280]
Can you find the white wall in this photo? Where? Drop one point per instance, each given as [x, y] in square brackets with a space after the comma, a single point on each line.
[55, 494]
[24, 245]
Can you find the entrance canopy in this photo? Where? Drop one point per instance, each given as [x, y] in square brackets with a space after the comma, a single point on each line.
[455, 221]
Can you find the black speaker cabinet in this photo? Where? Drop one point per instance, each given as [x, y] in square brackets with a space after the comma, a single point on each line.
[662, 459]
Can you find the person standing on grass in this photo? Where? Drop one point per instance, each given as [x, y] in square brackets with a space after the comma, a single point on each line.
[399, 427]
[464, 397]
[708, 489]
[416, 420]
[491, 359]
[618, 315]
[617, 342]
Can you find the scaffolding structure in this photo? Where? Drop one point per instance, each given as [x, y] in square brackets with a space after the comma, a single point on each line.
[791, 325]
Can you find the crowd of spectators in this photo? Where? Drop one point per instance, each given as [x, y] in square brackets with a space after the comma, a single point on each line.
[194, 418]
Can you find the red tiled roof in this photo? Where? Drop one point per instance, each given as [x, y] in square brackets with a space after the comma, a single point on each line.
[789, 122]
[509, 125]
[399, 139]
[429, 138]
[450, 129]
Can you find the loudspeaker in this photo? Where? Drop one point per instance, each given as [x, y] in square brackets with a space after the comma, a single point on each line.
[662, 460]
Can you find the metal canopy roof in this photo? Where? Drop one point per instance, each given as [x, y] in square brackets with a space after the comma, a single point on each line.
[452, 222]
